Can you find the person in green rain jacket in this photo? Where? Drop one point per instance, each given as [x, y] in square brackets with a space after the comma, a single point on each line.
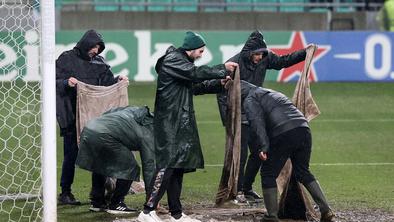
[177, 144]
[106, 149]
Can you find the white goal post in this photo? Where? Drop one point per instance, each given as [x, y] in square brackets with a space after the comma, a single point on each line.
[48, 109]
[27, 111]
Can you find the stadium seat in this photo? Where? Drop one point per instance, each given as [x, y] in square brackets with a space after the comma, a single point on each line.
[345, 8]
[58, 3]
[291, 8]
[156, 8]
[110, 5]
[66, 4]
[212, 8]
[265, 8]
[239, 7]
[318, 10]
[186, 8]
[125, 7]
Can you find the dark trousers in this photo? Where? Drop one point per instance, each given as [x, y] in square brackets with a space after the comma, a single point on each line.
[98, 189]
[247, 175]
[70, 152]
[295, 144]
[170, 180]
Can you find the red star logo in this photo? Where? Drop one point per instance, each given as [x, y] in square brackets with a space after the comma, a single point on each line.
[297, 42]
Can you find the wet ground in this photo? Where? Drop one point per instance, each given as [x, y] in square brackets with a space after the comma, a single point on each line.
[253, 214]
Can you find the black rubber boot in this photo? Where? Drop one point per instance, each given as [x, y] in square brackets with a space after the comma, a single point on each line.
[317, 194]
[271, 204]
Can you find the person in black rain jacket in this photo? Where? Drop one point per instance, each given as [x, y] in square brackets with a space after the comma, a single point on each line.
[254, 60]
[280, 131]
[82, 63]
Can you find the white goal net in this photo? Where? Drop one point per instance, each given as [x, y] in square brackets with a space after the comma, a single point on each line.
[20, 111]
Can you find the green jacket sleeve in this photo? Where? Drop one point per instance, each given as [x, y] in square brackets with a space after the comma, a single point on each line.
[180, 68]
[208, 87]
[148, 163]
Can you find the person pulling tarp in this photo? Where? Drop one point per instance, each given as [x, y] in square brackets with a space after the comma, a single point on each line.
[105, 149]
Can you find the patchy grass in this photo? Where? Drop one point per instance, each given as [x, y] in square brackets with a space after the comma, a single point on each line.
[352, 155]
[354, 130]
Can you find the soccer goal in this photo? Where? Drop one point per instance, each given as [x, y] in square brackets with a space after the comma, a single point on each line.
[27, 111]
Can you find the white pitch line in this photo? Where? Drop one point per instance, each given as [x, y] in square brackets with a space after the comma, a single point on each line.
[353, 56]
[352, 164]
[317, 164]
[322, 120]
[327, 164]
[355, 120]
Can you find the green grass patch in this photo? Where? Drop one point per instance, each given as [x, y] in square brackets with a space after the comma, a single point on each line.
[355, 127]
[353, 136]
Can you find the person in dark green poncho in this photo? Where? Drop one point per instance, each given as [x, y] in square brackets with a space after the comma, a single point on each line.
[177, 144]
[105, 149]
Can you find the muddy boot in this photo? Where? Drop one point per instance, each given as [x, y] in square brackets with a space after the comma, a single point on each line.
[317, 194]
[327, 217]
[271, 204]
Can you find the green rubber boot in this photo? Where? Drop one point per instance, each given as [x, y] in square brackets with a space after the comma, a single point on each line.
[317, 194]
[271, 204]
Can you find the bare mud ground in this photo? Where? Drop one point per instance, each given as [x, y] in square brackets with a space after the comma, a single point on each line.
[254, 214]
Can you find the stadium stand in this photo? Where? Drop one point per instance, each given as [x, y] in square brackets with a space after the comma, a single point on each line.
[162, 5]
[106, 5]
[215, 14]
[258, 7]
[345, 8]
[239, 5]
[294, 7]
[125, 5]
[318, 6]
[214, 5]
[70, 5]
[189, 6]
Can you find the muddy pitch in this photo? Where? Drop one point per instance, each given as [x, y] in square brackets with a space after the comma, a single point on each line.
[253, 214]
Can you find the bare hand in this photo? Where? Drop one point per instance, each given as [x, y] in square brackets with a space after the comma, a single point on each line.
[224, 81]
[122, 77]
[263, 156]
[231, 66]
[72, 81]
[311, 45]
